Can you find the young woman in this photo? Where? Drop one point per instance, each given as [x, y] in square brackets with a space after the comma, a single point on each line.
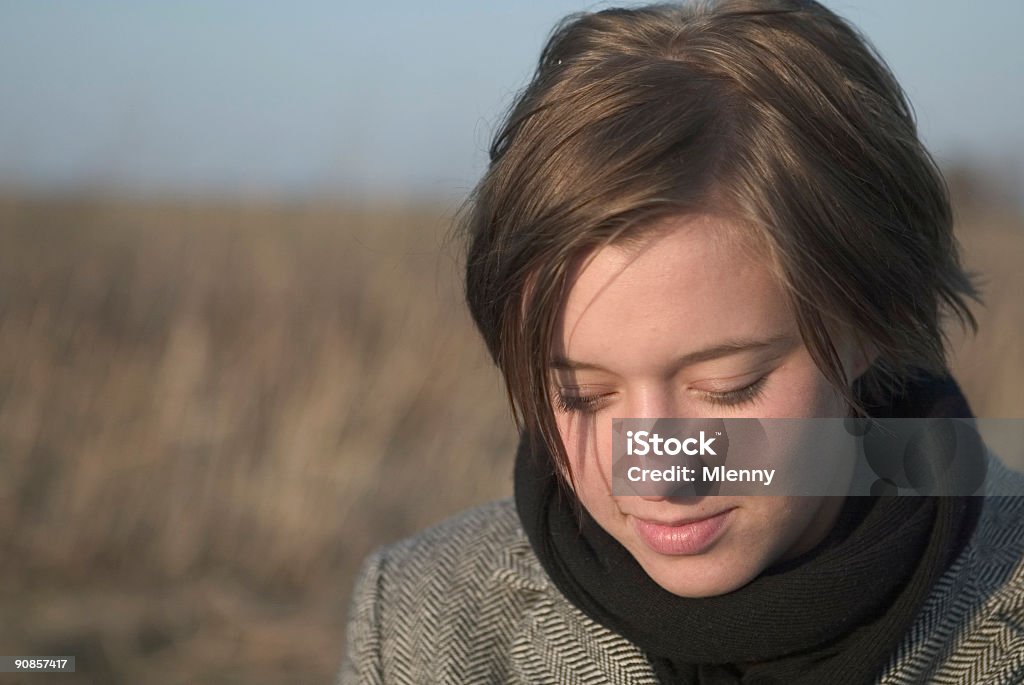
[716, 210]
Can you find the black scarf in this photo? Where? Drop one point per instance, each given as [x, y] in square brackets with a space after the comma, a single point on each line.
[832, 615]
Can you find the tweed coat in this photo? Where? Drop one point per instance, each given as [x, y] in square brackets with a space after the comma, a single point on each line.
[468, 602]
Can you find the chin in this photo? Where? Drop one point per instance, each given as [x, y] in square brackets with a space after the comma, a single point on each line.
[699, 576]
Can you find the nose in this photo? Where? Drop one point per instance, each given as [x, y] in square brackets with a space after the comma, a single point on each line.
[658, 400]
[662, 400]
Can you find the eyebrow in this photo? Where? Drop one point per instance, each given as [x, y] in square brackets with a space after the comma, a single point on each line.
[723, 349]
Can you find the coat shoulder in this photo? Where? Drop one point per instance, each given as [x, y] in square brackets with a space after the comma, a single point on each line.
[472, 536]
[444, 605]
[970, 629]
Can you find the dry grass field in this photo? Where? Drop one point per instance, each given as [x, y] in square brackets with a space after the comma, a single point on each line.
[209, 415]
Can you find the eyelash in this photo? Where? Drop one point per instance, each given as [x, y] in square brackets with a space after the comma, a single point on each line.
[577, 404]
[734, 398]
[588, 404]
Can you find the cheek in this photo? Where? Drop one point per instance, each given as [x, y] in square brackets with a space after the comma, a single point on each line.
[588, 443]
[779, 522]
[804, 391]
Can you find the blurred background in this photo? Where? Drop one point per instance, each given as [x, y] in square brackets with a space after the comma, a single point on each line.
[233, 352]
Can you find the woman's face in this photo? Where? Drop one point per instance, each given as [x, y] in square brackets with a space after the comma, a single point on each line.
[689, 324]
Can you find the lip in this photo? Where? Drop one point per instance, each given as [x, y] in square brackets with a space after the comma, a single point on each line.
[683, 537]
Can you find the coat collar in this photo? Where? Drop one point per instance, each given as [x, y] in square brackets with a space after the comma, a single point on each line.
[554, 641]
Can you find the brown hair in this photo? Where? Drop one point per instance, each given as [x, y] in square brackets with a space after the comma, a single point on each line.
[777, 113]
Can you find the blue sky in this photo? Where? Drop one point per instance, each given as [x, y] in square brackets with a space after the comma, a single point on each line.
[309, 96]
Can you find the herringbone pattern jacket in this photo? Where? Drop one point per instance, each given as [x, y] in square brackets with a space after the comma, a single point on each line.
[467, 602]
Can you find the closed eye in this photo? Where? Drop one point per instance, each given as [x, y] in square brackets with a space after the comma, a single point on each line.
[578, 404]
[746, 395]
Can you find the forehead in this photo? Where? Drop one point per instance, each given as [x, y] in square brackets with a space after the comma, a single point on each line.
[694, 282]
